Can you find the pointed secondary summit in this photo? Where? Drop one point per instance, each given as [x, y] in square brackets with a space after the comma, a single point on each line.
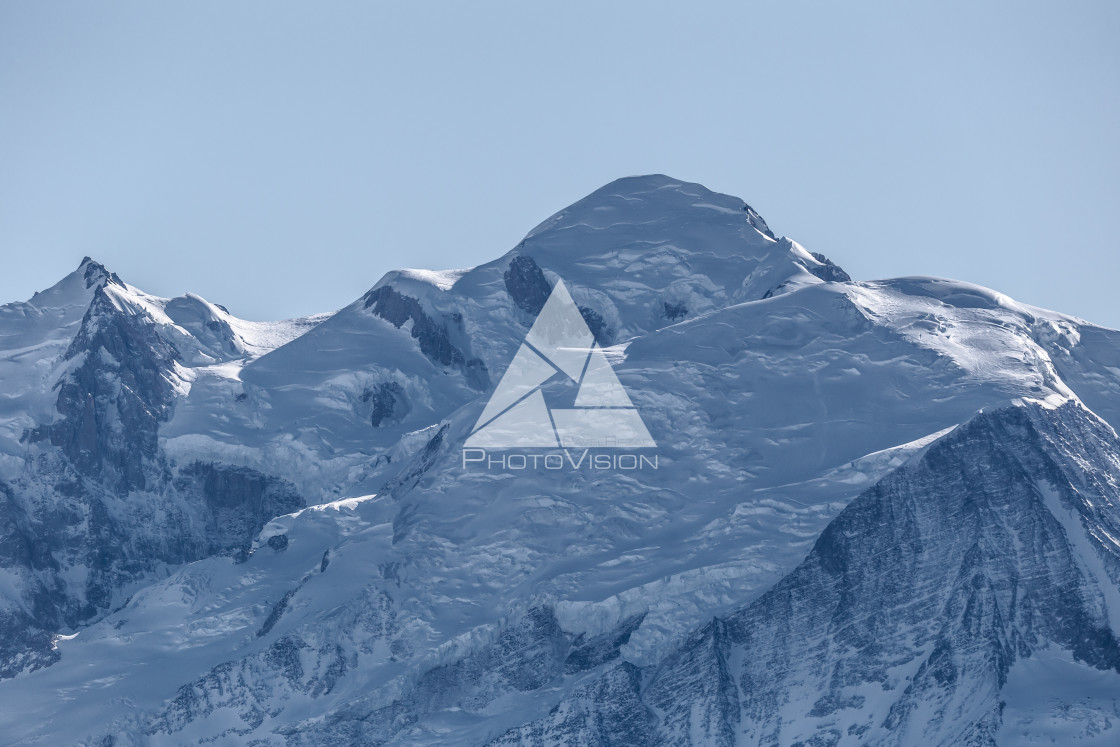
[559, 342]
[95, 273]
[76, 288]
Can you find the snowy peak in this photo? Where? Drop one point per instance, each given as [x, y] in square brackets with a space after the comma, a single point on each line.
[832, 547]
[651, 199]
[34, 337]
[205, 333]
[669, 250]
[74, 291]
[120, 385]
[637, 254]
[96, 274]
[92, 333]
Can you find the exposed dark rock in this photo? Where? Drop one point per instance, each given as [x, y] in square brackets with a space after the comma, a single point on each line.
[598, 650]
[524, 657]
[208, 509]
[239, 502]
[603, 334]
[276, 613]
[675, 311]
[421, 463]
[435, 343]
[700, 667]
[756, 220]
[96, 274]
[388, 403]
[529, 654]
[26, 640]
[527, 284]
[529, 289]
[830, 272]
[951, 568]
[607, 711]
[113, 401]
[237, 686]
[397, 309]
[770, 292]
[278, 542]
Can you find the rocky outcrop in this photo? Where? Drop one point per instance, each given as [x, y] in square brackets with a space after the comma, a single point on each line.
[827, 270]
[902, 624]
[924, 590]
[237, 502]
[529, 289]
[607, 711]
[432, 335]
[103, 510]
[527, 285]
[112, 542]
[387, 403]
[114, 398]
[412, 473]
[757, 222]
[26, 638]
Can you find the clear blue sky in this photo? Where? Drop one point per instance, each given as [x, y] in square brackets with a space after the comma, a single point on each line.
[278, 158]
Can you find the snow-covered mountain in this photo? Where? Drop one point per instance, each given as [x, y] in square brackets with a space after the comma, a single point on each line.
[883, 512]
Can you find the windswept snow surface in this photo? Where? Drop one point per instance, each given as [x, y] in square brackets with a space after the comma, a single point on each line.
[420, 600]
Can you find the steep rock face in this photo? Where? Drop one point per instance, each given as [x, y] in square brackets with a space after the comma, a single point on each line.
[828, 270]
[238, 502]
[902, 624]
[97, 509]
[529, 289]
[76, 550]
[606, 712]
[96, 275]
[25, 624]
[387, 403]
[34, 335]
[757, 222]
[116, 395]
[527, 285]
[432, 336]
[526, 656]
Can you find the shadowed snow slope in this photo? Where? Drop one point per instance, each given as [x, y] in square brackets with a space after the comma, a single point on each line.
[880, 509]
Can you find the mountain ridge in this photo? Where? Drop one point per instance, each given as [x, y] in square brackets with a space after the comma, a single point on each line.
[290, 508]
